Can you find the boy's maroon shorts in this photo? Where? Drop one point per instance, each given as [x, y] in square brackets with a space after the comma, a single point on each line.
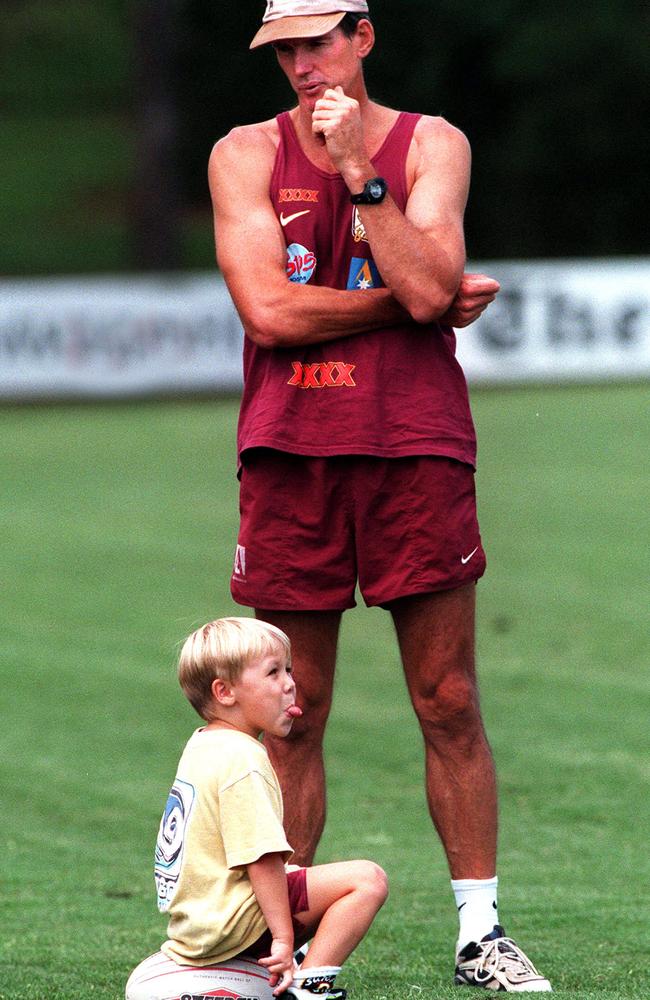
[310, 527]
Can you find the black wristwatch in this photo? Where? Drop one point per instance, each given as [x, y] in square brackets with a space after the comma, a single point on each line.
[374, 192]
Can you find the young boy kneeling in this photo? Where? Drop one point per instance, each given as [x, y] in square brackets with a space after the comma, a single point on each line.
[221, 850]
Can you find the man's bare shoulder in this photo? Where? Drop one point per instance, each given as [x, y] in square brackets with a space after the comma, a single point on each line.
[437, 148]
[249, 144]
[435, 131]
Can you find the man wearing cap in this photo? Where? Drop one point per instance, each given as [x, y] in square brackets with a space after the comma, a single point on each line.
[339, 231]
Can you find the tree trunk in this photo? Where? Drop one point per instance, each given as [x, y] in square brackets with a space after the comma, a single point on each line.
[156, 237]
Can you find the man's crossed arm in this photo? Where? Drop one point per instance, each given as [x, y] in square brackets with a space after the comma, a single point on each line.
[252, 256]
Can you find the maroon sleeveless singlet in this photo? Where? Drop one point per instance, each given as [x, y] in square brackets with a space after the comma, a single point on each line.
[392, 392]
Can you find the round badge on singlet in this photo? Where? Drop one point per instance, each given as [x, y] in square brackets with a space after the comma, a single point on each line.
[301, 263]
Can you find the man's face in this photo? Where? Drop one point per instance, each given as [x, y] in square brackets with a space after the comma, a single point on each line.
[314, 64]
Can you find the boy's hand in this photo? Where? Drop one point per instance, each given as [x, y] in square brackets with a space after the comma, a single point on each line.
[280, 964]
[269, 881]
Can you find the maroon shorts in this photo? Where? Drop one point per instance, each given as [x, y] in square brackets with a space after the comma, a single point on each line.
[298, 903]
[310, 527]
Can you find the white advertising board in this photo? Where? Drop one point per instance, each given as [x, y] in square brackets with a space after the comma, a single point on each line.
[557, 321]
[81, 337]
[103, 337]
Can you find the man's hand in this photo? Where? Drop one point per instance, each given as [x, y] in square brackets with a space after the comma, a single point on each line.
[337, 119]
[474, 295]
[280, 964]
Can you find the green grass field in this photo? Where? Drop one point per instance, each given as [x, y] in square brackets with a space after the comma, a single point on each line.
[117, 526]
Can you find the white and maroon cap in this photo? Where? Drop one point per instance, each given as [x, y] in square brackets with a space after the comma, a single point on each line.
[303, 18]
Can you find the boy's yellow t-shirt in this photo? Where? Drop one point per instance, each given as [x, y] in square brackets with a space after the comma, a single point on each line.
[224, 811]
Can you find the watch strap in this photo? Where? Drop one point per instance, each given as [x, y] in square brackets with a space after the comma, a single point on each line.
[374, 192]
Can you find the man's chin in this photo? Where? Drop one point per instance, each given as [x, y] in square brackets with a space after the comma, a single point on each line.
[312, 94]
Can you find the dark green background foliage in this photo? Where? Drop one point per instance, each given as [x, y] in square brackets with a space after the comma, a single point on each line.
[551, 97]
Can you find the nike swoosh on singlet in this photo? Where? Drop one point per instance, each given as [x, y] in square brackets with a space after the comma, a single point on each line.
[284, 221]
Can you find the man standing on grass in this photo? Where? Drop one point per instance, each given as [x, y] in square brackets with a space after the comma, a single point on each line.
[339, 229]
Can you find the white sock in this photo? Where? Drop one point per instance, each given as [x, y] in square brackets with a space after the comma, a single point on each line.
[476, 901]
[309, 980]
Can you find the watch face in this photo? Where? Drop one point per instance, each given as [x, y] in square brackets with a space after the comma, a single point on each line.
[374, 191]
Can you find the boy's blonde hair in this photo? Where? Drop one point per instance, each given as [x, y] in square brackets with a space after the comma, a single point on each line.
[221, 649]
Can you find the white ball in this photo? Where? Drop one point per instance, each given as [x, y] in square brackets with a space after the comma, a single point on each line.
[159, 978]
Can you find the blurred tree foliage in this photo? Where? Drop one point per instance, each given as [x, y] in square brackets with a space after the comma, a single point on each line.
[553, 98]
[58, 56]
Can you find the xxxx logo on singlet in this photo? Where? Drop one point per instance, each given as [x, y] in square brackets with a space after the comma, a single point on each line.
[324, 375]
[358, 228]
[298, 194]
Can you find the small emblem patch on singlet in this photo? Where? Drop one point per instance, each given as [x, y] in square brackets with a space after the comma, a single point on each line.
[358, 228]
[363, 274]
[301, 263]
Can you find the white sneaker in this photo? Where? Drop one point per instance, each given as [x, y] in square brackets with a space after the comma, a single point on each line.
[497, 963]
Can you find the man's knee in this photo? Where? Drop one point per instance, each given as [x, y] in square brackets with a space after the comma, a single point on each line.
[449, 710]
